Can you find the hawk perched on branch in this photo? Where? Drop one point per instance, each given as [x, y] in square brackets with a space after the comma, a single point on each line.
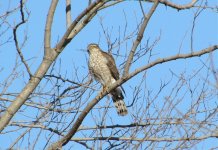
[102, 66]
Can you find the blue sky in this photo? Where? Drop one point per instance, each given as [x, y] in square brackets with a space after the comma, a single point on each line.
[172, 26]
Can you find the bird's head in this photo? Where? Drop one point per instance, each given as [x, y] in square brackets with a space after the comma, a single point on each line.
[92, 48]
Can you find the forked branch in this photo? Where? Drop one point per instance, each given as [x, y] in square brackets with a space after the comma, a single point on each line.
[91, 104]
[139, 38]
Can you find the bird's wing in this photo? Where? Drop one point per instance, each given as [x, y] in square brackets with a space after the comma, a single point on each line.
[111, 65]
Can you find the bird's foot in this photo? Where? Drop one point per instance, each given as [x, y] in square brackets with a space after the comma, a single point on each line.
[105, 89]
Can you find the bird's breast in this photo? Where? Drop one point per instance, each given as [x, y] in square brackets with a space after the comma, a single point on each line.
[98, 65]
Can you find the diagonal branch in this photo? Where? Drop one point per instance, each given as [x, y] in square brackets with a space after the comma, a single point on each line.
[139, 38]
[91, 104]
[164, 60]
[34, 80]
[49, 56]
[72, 30]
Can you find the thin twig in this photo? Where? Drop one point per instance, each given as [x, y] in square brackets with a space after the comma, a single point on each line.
[16, 40]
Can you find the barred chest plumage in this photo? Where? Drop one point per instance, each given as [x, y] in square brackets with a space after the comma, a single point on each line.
[99, 68]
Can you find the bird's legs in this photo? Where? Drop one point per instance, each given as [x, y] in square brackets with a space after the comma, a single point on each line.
[105, 88]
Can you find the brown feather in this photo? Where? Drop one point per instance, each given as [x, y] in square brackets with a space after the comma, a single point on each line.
[111, 65]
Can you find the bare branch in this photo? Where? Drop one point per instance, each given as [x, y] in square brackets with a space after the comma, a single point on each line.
[174, 5]
[48, 52]
[91, 104]
[176, 112]
[68, 13]
[139, 38]
[16, 40]
[34, 80]
[49, 56]
[73, 30]
[163, 60]
[146, 139]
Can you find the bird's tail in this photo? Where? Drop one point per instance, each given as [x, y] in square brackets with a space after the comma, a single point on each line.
[119, 103]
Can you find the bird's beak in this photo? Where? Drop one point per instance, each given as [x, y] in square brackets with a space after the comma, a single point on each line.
[88, 51]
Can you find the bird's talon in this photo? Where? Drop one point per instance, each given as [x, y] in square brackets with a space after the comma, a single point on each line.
[105, 89]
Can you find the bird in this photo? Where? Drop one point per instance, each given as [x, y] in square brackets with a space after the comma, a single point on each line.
[103, 68]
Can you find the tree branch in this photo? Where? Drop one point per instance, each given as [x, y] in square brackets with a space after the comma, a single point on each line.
[34, 80]
[156, 139]
[49, 53]
[49, 56]
[176, 6]
[91, 104]
[16, 41]
[72, 30]
[68, 13]
[139, 38]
